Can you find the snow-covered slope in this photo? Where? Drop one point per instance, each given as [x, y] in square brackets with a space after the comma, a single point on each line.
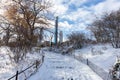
[8, 67]
[103, 55]
[59, 67]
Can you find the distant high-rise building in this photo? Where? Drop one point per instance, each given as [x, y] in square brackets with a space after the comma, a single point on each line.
[61, 37]
[56, 30]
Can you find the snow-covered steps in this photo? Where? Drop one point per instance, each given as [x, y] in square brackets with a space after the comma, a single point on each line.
[59, 67]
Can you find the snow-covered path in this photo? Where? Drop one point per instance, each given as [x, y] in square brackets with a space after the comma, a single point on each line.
[59, 67]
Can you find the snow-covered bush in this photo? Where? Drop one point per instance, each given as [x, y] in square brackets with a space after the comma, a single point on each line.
[98, 50]
[8, 66]
[68, 50]
[77, 39]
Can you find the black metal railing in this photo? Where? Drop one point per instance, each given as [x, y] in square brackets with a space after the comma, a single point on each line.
[35, 65]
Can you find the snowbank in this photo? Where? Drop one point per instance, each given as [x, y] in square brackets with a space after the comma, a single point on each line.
[101, 57]
[8, 67]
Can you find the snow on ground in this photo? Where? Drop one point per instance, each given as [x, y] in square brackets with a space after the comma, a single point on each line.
[103, 55]
[59, 67]
[8, 67]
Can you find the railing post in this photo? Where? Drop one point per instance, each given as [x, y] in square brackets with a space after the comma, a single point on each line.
[36, 64]
[43, 58]
[16, 76]
[87, 62]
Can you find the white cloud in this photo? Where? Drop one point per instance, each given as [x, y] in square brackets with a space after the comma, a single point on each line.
[81, 18]
[4, 3]
[1, 11]
[106, 6]
[59, 8]
[64, 25]
[77, 3]
[81, 13]
[85, 15]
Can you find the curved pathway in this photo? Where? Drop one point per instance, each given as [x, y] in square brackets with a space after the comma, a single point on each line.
[59, 67]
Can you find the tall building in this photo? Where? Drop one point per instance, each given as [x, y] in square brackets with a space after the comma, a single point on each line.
[56, 30]
[61, 37]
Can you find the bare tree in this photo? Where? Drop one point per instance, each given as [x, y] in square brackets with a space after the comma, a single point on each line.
[77, 39]
[25, 17]
[107, 28]
[5, 30]
[100, 32]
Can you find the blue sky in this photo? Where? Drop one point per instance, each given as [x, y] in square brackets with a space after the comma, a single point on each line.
[76, 15]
